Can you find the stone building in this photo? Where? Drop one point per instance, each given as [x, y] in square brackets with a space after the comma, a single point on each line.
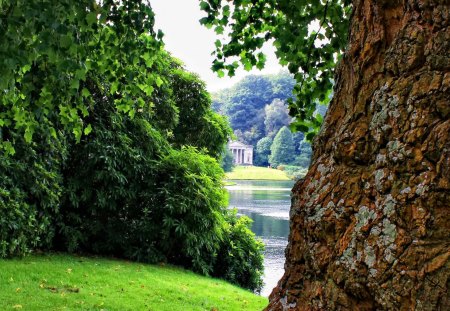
[243, 154]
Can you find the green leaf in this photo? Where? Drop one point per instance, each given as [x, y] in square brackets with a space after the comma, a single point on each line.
[75, 84]
[65, 41]
[91, 18]
[204, 6]
[85, 92]
[159, 81]
[87, 129]
[114, 87]
[26, 68]
[53, 132]
[310, 136]
[28, 135]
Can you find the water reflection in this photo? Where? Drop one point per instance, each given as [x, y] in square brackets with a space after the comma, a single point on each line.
[267, 203]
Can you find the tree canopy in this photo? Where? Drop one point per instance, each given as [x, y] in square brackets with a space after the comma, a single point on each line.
[282, 148]
[309, 37]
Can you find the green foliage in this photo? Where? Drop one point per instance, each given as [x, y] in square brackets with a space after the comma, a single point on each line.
[309, 37]
[191, 206]
[240, 258]
[106, 144]
[108, 182]
[262, 151]
[304, 158]
[244, 103]
[276, 117]
[48, 48]
[199, 127]
[282, 150]
[30, 191]
[227, 162]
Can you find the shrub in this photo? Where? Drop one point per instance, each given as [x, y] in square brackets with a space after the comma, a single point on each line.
[109, 186]
[190, 208]
[30, 190]
[240, 257]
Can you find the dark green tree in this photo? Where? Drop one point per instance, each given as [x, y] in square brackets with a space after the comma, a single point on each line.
[198, 125]
[262, 151]
[282, 150]
[227, 160]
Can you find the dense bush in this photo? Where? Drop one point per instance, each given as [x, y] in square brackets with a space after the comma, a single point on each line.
[30, 190]
[190, 208]
[108, 177]
[240, 258]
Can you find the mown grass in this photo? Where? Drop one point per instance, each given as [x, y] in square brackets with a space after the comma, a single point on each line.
[256, 173]
[64, 282]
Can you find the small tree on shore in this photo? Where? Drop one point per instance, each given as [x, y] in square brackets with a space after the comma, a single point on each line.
[282, 149]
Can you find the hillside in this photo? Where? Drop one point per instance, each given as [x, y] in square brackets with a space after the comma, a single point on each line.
[63, 282]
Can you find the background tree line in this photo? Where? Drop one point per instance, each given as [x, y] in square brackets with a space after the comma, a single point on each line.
[258, 113]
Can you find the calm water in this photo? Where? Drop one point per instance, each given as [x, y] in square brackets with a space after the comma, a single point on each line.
[267, 203]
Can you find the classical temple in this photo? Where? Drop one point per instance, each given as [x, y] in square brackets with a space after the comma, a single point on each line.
[243, 154]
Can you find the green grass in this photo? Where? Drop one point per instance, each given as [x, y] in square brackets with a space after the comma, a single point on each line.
[63, 282]
[256, 172]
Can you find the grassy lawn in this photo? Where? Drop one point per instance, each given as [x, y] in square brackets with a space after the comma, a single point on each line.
[256, 172]
[64, 282]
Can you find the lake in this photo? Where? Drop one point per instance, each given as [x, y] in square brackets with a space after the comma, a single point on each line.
[268, 204]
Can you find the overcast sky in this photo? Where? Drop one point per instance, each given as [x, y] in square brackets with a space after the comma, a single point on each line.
[191, 42]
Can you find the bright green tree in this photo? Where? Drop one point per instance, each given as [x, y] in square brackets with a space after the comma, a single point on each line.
[282, 150]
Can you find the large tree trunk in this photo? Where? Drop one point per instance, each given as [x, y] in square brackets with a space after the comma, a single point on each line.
[370, 223]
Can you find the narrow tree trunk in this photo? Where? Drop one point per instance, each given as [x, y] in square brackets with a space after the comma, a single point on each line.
[370, 223]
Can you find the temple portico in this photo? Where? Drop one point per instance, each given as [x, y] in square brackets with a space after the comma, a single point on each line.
[243, 154]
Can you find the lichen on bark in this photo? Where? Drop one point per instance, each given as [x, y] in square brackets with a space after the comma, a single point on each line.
[370, 223]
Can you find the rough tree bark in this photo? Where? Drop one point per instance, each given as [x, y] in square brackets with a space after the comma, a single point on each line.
[370, 223]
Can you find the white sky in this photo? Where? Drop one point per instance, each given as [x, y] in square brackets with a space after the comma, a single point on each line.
[191, 42]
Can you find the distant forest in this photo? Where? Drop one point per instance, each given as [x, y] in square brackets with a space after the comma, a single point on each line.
[257, 110]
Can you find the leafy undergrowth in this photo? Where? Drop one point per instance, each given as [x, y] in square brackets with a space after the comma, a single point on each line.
[64, 282]
[256, 172]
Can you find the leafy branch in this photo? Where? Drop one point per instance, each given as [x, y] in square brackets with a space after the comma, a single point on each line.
[252, 23]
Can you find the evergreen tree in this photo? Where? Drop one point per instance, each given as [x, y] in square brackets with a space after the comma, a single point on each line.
[263, 151]
[282, 149]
